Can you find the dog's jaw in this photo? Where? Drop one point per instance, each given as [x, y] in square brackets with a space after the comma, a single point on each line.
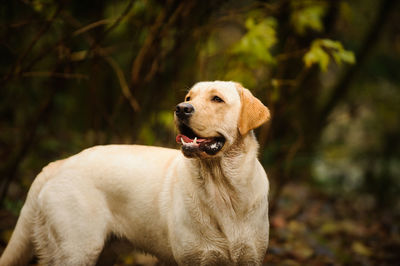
[194, 145]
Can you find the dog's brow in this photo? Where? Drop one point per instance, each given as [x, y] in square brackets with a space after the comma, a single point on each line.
[217, 92]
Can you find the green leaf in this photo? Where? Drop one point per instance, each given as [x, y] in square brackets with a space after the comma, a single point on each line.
[348, 57]
[322, 49]
[316, 55]
[254, 46]
[307, 15]
[327, 43]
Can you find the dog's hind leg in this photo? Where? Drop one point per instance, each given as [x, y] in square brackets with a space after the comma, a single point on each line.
[59, 245]
[19, 249]
[69, 228]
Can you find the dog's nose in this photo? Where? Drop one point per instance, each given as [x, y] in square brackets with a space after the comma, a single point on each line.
[184, 110]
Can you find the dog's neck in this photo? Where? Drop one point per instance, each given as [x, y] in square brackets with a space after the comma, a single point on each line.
[226, 181]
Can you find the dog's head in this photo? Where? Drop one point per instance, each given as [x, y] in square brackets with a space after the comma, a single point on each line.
[214, 114]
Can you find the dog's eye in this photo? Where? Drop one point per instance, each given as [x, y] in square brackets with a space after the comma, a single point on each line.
[217, 99]
[187, 99]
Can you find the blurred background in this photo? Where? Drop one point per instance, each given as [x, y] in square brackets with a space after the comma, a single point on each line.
[74, 74]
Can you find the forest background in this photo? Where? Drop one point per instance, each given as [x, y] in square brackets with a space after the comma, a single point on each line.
[74, 74]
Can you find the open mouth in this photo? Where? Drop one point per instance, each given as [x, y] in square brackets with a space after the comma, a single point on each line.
[191, 143]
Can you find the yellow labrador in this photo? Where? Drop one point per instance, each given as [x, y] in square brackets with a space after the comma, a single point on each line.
[206, 205]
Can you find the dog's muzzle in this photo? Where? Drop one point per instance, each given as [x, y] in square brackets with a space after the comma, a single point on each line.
[183, 111]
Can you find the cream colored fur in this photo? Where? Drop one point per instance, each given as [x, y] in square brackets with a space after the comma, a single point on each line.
[185, 211]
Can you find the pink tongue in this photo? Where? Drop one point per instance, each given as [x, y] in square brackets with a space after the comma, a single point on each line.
[187, 139]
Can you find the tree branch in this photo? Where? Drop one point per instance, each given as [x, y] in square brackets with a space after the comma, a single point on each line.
[54, 74]
[43, 30]
[122, 82]
[342, 86]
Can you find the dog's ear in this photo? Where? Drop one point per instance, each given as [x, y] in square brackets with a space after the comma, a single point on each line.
[253, 112]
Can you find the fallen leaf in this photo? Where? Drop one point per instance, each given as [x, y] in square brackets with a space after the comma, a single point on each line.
[361, 249]
[278, 221]
[296, 227]
[329, 228]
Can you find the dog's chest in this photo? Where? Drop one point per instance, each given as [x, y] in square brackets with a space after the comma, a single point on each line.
[217, 248]
[221, 225]
[222, 240]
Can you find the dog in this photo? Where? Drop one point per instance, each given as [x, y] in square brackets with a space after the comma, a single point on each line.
[205, 205]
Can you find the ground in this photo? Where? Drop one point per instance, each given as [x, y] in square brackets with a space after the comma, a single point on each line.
[311, 228]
